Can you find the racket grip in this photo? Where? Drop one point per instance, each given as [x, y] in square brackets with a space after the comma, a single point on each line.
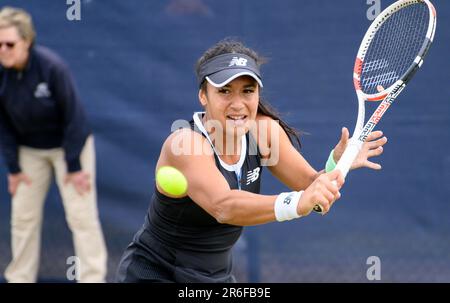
[317, 208]
[344, 164]
[349, 155]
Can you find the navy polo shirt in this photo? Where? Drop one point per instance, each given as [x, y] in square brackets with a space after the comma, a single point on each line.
[40, 108]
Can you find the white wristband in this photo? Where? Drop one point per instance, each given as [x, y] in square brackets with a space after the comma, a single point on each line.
[286, 206]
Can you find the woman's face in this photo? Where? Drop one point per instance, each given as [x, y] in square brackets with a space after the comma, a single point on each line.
[234, 105]
[13, 48]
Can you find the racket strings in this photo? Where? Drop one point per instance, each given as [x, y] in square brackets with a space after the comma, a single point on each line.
[394, 47]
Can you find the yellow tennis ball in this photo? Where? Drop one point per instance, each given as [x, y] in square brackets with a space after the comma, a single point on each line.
[171, 180]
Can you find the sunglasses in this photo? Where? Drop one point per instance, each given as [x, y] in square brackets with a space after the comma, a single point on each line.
[8, 45]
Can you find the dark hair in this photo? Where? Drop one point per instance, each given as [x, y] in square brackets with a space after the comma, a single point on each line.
[230, 45]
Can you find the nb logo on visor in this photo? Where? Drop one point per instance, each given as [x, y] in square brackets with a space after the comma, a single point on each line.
[238, 61]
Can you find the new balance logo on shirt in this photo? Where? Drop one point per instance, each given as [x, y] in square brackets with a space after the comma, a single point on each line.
[238, 61]
[253, 175]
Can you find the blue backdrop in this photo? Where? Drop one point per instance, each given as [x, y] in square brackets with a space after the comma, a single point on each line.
[133, 62]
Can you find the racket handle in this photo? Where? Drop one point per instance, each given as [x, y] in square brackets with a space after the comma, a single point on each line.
[344, 164]
[347, 158]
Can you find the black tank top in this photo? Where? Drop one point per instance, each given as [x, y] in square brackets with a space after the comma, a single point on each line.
[184, 228]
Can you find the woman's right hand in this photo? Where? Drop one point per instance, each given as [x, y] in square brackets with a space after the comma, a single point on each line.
[14, 180]
[322, 191]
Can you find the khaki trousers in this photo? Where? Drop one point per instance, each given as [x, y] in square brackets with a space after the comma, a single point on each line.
[80, 211]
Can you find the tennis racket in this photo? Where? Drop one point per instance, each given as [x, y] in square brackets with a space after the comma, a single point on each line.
[390, 54]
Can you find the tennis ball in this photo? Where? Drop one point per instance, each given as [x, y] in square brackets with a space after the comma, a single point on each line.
[171, 180]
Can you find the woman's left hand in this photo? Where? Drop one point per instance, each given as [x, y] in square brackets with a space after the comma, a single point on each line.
[371, 148]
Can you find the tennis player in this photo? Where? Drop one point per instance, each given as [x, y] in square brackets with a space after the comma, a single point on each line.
[189, 238]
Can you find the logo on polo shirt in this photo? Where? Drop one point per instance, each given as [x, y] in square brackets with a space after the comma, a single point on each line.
[238, 61]
[42, 91]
